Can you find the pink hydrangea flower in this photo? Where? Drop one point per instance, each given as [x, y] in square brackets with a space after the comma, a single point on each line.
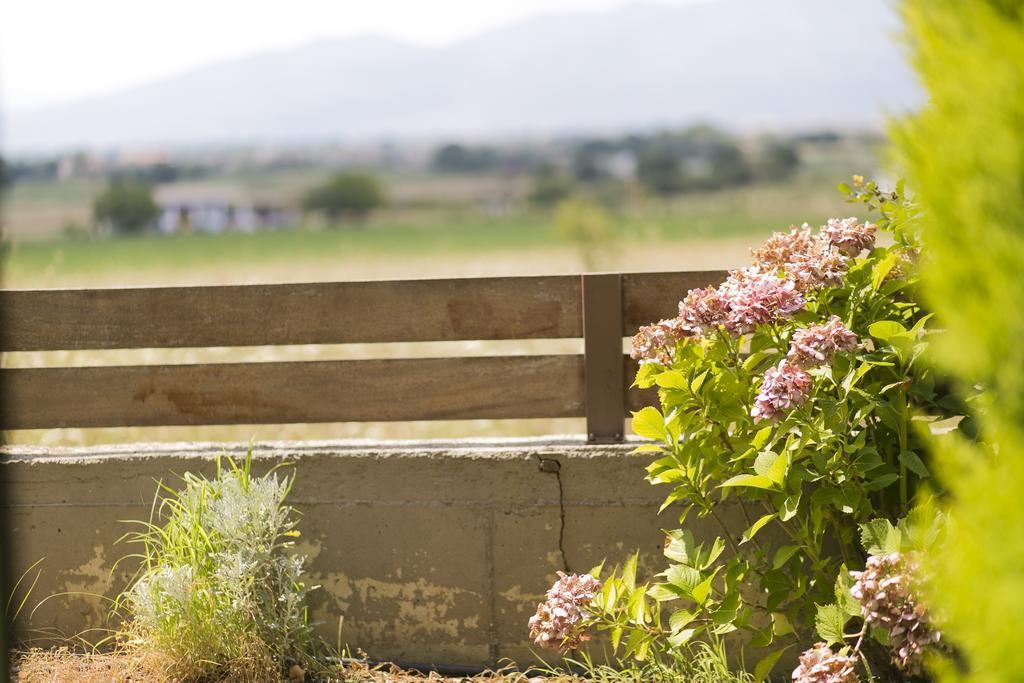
[703, 310]
[656, 343]
[782, 248]
[559, 621]
[784, 387]
[811, 261]
[819, 266]
[888, 599]
[756, 298]
[821, 665]
[817, 344]
[849, 236]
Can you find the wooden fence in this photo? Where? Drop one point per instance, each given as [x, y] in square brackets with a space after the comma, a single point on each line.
[600, 308]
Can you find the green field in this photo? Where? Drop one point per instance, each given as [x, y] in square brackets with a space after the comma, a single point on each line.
[648, 234]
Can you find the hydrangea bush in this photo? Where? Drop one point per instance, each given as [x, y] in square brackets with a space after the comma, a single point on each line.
[788, 396]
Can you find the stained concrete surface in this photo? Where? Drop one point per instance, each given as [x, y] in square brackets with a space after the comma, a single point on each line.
[430, 551]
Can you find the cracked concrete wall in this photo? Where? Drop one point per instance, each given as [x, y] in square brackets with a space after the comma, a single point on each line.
[433, 552]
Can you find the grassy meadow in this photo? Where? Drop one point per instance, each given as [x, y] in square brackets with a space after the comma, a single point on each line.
[416, 239]
[699, 231]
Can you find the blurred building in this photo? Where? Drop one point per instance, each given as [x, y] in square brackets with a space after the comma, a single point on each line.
[78, 165]
[219, 208]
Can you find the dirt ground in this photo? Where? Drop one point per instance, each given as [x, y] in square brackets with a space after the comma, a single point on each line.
[63, 666]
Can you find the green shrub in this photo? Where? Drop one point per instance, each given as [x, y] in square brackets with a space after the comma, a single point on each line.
[788, 394]
[220, 592]
[549, 187]
[964, 156]
[346, 195]
[585, 224]
[127, 207]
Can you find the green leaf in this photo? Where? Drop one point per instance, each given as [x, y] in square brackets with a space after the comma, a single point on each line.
[790, 507]
[681, 638]
[647, 375]
[783, 554]
[680, 548]
[629, 572]
[616, 636]
[757, 481]
[698, 381]
[636, 606]
[844, 599]
[853, 377]
[678, 493]
[633, 643]
[673, 379]
[683, 577]
[726, 612]
[915, 331]
[764, 461]
[761, 437]
[649, 424]
[880, 537]
[702, 590]
[881, 482]
[887, 330]
[679, 620]
[830, 623]
[767, 663]
[757, 526]
[781, 624]
[705, 559]
[659, 593]
[777, 472]
[762, 637]
[914, 463]
[881, 269]
[755, 358]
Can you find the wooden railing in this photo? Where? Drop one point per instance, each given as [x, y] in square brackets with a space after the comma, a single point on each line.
[600, 308]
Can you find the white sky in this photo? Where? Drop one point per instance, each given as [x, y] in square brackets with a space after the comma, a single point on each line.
[59, 50]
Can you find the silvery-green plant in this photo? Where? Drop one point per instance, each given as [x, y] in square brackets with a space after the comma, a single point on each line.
[220, 590]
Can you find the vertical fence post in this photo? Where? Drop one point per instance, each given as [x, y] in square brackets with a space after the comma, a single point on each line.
[603, 366]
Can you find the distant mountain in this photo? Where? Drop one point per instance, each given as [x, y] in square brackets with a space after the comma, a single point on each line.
[740, 63]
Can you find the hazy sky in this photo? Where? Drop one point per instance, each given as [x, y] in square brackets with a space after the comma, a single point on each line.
[57, 50]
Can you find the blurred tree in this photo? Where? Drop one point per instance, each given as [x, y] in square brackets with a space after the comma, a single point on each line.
[346, 195]
[964, 157]
[820, 137]
[32, 170]
[549, 187]
[126, 207]
[711, 159]
[156, 173]
[698, 158]
[585, 224]
[777, 159]
[659, 170]
[456, 158]
[587, 157]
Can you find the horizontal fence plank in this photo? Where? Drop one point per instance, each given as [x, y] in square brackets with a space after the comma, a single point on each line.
[650, 297]
[299, 392]
[546, 307]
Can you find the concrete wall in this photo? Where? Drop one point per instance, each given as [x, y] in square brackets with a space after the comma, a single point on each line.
[434, 552]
